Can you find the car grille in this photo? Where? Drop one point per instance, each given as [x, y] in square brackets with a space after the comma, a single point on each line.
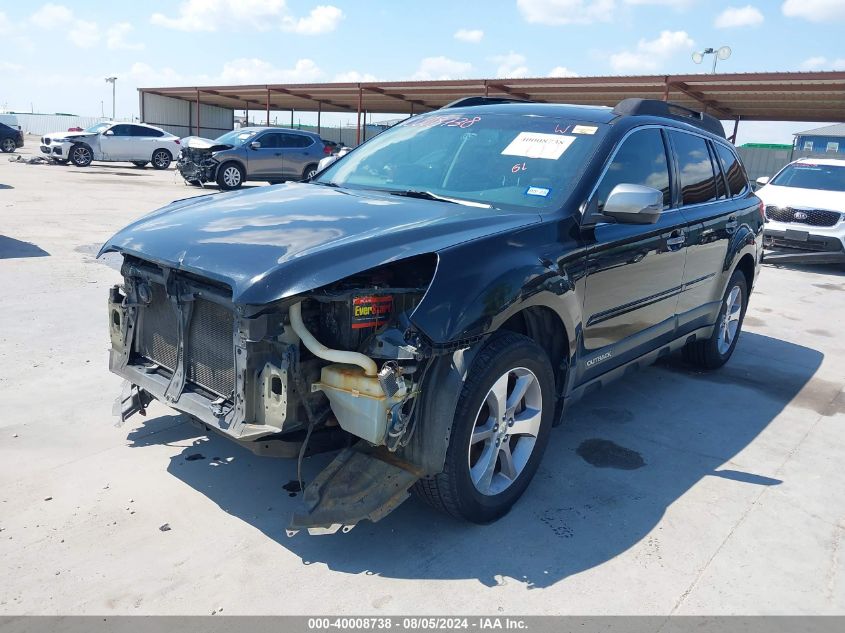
[815, 217]
[45, 140]
[209, 348]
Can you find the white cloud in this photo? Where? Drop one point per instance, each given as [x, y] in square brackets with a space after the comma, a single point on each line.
[473, 36]
[557, 12]
[54, 17]
[441, 68]
[257, 71]
[5, 24]
[322, 19]
[676, 4]
[262, 15]
[562, 71]
[814, 10]
[733, 17]
[823, 63]
[116, 37]
[84, 34]
[650, 54]
[510, 66]
[353, 76]
[10, 67]
[51, 16]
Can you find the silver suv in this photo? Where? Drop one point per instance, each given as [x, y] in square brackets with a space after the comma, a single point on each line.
[252, 153]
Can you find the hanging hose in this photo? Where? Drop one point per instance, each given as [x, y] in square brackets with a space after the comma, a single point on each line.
[321, 351]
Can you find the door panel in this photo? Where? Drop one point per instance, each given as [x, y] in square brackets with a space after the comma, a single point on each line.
[296, 154]
[117, 146]
[634, 271]
[267, 161]
[709, 228]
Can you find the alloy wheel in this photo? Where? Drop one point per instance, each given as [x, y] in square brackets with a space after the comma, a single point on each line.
[8, 145]
[729, 324]
[81, 155]
[161, 159]
[505, 431]
[232, 176]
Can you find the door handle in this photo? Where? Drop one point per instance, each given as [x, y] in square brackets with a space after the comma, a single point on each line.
[676, 240]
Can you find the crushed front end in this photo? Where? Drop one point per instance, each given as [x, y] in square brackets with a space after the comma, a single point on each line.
[196, 162]
[326, 369]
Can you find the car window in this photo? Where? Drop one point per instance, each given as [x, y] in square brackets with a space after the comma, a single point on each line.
[640, 160]
[697, 180]
[733, 169]
[122, 130]
[148, 132]
[295, 140]
[721, 188]
[269, 140]
[812, 176]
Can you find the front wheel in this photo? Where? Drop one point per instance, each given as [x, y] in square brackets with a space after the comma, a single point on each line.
[230, 176]
[499, 432]
[8, 145]
[81, 155]
[716, 350]
[161, 159]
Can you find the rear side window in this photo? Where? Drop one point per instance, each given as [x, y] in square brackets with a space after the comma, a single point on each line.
[734, 172]
[295, 140]
[698, 181]
[641, 160]
[721, 190]
[148, 132]
[122, 130]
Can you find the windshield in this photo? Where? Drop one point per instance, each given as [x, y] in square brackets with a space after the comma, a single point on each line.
[235, 137]
[97, 128]
[502, 160]
[810, 176]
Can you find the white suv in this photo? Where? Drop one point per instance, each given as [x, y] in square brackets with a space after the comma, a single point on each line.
[805, 212]
[132, 142]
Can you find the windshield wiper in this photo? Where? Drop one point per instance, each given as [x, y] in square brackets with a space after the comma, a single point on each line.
[427, 195]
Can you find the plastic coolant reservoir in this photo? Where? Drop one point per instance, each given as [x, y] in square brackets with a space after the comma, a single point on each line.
[358, 401]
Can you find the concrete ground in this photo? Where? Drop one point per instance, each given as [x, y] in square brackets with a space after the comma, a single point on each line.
[671, 492]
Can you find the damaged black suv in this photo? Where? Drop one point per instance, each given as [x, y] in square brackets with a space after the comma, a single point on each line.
[432, 302]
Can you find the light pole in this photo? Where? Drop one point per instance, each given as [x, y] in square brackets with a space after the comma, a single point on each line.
[112, 80]
[718, 53]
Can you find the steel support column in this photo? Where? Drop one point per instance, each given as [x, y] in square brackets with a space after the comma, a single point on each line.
[268, 107]
[291, 117]
[198, 112]
[666, 88]
[360, 105]
[319, 113]
[732, 139]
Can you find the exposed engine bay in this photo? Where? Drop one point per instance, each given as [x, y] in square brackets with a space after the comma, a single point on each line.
[196, 162]
[339, 366]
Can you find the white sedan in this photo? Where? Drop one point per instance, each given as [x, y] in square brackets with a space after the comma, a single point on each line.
[132, 142]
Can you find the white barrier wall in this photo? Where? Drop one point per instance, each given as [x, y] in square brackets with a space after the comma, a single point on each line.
[179, 117]
[41, 124]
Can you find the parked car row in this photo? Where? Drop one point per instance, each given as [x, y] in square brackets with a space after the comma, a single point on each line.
[254, 153]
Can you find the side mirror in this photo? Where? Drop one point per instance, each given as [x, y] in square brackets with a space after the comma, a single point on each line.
[763, 180]
[108, 133]
[255, 145]
[634, 204]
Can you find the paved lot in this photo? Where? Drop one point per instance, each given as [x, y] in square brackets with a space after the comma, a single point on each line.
[725, 492]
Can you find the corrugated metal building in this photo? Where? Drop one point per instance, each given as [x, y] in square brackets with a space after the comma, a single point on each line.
[829, 139]
[179, 117]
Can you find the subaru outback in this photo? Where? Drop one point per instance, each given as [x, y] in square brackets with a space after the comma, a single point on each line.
[430, 304]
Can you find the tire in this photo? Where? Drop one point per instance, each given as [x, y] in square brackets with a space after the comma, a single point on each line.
[230, 176]
[716, 350]
[81, 155]
[140, 163]
[161, 159]
[8, 145]
[466, 489]
[309, 171]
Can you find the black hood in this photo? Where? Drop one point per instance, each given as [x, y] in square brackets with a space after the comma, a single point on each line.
[269, 243]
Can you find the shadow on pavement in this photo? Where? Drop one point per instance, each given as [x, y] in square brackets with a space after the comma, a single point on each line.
[10, 248]
[682, 426]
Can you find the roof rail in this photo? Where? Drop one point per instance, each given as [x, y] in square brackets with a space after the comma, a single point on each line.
[479, 100]
[654, 107]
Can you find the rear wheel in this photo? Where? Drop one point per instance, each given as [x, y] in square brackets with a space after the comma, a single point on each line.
[161, 159]
[140, 163]
[81, 155]
[8, 145]
[716, 350]
[230, 176]
[309, 172]
[499, 432]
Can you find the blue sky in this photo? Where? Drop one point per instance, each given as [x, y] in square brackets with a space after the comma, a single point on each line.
[55, 55]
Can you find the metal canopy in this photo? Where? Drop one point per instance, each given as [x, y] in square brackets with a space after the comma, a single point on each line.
[784, 96]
